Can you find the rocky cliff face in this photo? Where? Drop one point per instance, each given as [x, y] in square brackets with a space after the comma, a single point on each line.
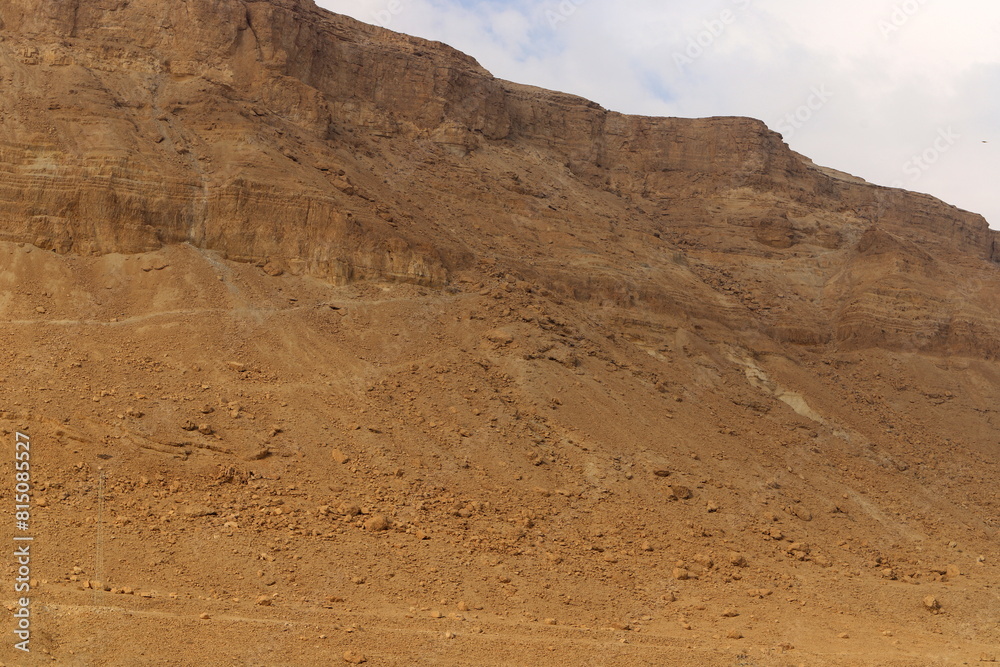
[280, 134]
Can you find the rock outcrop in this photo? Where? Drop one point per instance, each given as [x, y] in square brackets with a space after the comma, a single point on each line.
[277, 133]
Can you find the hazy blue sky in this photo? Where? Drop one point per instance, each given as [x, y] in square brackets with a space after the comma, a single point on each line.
[899, 92]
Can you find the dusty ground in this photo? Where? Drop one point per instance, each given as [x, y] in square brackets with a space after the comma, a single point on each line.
[473, 477]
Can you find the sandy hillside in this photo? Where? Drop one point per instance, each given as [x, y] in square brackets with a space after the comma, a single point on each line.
[332, 348]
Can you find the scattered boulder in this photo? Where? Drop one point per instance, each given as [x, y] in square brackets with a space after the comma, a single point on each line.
[349, 509]
[377, 523]
[354, 658]
[681, 492]
[259, 454]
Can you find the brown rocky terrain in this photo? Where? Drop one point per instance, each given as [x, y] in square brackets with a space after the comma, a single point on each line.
[331, 347]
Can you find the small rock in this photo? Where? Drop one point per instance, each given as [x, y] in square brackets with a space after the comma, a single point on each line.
[550, 621]
[462, 606]
[822, 560]
[189, 426]
[377, 523]
[153, 264]
[259, 455]
[681, 574]
[737, 560]
[932, 604]
[662, 473]
[734, 634]
[339, 457]
[349, 509]
[798, 546]
[681, 492]
[263, 601]
[843, 635]
[704, 561]
[987, 657]
[354, 658]
[801, 513]
[730, 613]
[205, 429]
[203, 616]
[196, 511]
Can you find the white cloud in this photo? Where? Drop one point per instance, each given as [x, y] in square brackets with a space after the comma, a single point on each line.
[900, 71]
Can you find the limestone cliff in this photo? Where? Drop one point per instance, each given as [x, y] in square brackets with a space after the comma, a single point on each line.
[277, 133]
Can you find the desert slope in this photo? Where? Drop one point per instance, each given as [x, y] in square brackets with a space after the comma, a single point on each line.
[328, 341]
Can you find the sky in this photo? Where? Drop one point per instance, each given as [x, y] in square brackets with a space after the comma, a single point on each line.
[903, 93]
